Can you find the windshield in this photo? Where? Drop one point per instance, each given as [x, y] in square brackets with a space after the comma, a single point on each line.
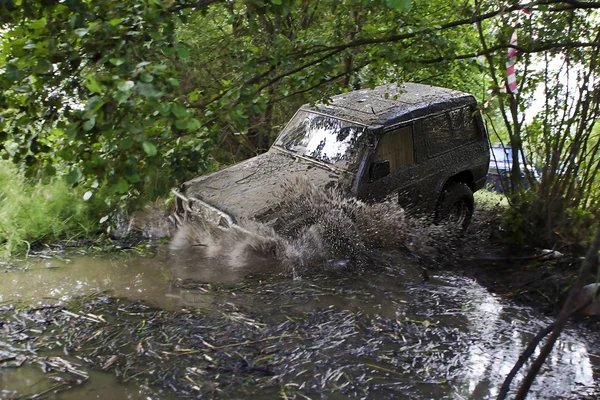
[324, 138]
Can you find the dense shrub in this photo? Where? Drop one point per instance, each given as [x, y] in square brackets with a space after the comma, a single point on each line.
[38, 211]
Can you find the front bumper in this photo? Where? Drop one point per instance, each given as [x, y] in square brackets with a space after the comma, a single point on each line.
[187, 208]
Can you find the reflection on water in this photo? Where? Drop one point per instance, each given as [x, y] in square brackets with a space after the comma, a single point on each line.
[29, 380]
[485, 334]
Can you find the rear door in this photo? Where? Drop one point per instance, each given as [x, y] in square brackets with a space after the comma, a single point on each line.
[395, 147]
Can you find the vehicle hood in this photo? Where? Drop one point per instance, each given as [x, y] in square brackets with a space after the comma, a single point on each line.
[250, 189]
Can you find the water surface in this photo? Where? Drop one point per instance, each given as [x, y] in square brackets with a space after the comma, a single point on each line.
[475, 337]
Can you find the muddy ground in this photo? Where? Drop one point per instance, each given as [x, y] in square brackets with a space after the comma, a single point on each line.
[273, 337]
[538, 278]
[231, 352]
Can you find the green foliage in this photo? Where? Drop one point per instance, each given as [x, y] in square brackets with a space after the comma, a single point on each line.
[253, 63]
[126, 98]
[42, 211]
[490, 200]
[551, 119]
[116, 89]
[91, 86]
[525, 224]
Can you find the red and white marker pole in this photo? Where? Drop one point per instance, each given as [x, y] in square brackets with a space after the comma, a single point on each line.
[510, 64]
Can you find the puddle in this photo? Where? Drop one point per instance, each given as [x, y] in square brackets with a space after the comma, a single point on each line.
[471, 337]
[147, 279]
[29, 380]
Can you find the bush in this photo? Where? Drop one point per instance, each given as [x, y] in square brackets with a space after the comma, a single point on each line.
[38, 211]
[490, 200]
[530, 220]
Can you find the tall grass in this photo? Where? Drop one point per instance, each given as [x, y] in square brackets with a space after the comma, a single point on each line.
[34, 212]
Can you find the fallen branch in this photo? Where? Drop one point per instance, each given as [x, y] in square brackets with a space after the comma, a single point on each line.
[555, 328]
[528, 352]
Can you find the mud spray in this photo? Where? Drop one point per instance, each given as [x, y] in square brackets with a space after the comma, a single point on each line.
[316, 229]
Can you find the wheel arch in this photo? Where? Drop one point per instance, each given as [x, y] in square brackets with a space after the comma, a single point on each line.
[465, 177]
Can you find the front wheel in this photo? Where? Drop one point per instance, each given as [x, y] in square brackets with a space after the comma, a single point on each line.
[456, 205]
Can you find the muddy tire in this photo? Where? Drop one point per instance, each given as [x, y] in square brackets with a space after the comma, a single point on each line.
[456, 205]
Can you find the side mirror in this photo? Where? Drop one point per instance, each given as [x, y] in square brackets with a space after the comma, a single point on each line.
[379, 169]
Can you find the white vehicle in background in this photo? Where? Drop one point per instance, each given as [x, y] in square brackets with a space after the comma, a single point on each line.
[501, 161]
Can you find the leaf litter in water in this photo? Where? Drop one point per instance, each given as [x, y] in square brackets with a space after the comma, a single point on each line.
[233, 351]
[251, 349]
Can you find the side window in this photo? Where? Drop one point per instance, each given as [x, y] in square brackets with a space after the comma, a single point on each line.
[397, 147]
[464, 124]
[449, 130]
[438, 134]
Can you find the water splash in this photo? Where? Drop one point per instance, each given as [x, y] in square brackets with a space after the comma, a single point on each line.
[315, 229]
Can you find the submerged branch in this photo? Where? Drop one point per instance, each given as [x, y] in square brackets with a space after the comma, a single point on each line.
[591, 260]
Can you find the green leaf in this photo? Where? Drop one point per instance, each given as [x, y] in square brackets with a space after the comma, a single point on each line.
[194, 95]
[178, 110]
[92, 84]
[168, 50]
[89, 124]
[173, 81]
[181, 124]
[116, 21]
[81, 32]
[164, 109]
[14, 74]
[182, 51]
[148, 90]
[125, 85]
[73, 177]
[94, 104]
[134, 178]
[49, 170]
[145, 77]
[22, 89]
[117, 61]
[149, 148]
[193, 124]
[399, 5]
[126, 143]
[121, 186]
[43, 65]
[38, 24]
[278, 2]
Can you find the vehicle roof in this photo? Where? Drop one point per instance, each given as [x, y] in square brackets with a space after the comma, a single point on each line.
[393, 103]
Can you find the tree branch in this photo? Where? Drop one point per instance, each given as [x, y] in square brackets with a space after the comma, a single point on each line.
[461, 22]
[333, 50]
[493, 49]
[198, 4]
[591, 260]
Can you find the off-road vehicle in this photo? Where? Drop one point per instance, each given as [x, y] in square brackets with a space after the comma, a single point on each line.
[425, 144]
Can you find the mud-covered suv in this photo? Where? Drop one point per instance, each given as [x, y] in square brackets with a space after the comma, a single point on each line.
[425, 144]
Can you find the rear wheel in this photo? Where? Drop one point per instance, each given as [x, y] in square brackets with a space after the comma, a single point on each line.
[456, 205]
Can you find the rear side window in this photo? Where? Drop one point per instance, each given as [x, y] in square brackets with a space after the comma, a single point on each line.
[446, 131]
[463, 124]
[397, 147]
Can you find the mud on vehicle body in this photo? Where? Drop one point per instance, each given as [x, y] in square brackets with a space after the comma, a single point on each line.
[424, 144]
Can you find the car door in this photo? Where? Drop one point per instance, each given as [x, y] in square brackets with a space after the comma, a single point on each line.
[392, 167]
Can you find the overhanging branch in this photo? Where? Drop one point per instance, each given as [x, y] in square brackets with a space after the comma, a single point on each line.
[176, 6]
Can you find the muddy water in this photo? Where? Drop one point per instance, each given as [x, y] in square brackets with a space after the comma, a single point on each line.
[483, 334]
